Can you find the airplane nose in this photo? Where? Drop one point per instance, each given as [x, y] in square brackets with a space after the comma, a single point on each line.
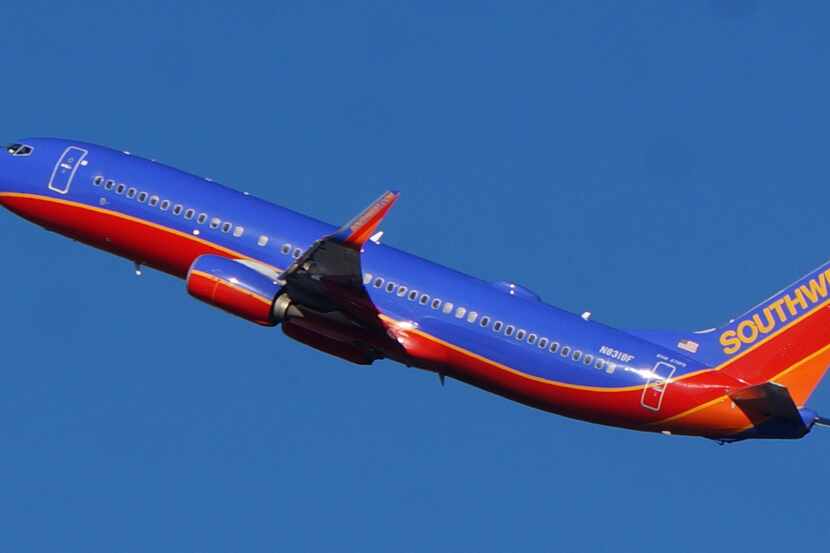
[6, 176]
[14, 162]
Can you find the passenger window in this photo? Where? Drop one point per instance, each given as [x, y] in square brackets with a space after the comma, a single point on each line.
[131, 193]
[460, 312]
[120, 188]
[531, 338]
[588, 359]
[201, 218]
[610, 367]
[543, 343]
[177, 209]
[154, 201]
[566, 350]
[447, 309]
[165, 205]
[227, 227]
[142, 197]
[262, 240]
[485, 320]
[98, 181]
[413, 295]
[286, 249]
[554, 347]
[110, 184]
[215, 222]
[577, 355]
[378, 282]
[497, 326]
[436, 303]
[520, 334]
[424, 299]
[510, 330]
[390, 287]
[402, 291]
[238, 231]
[296, 253]
[600, 364]
[472, 316]
[367, 278]
[189, 214]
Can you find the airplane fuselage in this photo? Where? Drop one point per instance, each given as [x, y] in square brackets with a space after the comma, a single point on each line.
[497, 336]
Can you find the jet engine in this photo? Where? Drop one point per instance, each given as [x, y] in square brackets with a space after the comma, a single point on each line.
[244, 288]
[251, 290]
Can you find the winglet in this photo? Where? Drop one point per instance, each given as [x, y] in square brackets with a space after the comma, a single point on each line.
[356, 232]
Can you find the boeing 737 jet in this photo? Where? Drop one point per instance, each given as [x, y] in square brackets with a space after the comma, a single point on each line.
[341, 291]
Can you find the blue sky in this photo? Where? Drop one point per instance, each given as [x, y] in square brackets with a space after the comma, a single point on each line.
[662, 164]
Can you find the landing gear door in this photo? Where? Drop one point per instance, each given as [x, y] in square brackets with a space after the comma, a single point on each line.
[65, 169]
[656, 386]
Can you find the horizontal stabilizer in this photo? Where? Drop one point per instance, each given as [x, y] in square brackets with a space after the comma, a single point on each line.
[766, 401]
[821, 421]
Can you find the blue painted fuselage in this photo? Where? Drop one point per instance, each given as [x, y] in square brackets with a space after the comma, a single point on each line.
[500, 325]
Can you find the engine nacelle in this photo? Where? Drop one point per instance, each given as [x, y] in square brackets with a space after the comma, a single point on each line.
[235, 287]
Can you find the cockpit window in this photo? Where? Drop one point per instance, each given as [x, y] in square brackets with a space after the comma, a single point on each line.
[19, 150]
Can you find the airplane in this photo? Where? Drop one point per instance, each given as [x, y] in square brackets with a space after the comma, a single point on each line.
[343, 292]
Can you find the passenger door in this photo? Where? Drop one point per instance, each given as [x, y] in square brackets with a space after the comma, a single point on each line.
[65, 169]
[655, 389]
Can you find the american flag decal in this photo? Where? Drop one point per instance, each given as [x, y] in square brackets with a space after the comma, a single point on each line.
[688, 345]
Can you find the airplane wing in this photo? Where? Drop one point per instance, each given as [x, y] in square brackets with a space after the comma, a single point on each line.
[328, 277]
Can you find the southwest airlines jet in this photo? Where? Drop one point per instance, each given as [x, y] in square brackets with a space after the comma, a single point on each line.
[340, 291]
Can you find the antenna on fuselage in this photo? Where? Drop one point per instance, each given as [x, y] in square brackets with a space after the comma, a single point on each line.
[137, 266]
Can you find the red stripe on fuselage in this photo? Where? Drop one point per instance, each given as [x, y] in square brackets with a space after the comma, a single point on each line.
[694, 404]
[611, 406]
[686, 403]
[139, 240]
